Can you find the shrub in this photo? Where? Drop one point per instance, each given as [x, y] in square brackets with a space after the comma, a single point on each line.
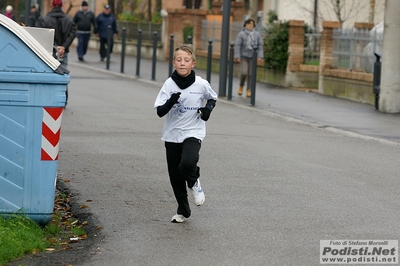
[128, 16]
[276, 45]
[156, 18]
[188, 31]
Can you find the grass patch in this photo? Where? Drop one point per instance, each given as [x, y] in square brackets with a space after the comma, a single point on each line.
[312, 62]
[19, 235]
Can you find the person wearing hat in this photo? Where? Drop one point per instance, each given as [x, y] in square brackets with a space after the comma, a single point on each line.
[9, 12]
[84, 19]
[65, 30]
[64, 33]
[103, 20]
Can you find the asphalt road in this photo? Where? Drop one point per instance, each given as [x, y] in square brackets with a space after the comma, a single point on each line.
[308, 107]
[275, 186]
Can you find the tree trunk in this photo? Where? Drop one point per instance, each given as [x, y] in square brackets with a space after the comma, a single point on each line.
[315, 15]
[158, 5]
[134, 6]
[112, 5]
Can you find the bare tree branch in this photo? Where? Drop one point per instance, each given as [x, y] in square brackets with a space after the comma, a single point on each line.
[371, 16]
[341, 10]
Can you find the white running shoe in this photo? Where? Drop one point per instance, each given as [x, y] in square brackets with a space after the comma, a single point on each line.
[178, 218]
[198, 193]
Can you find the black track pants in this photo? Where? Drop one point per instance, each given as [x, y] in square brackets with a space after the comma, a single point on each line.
[182, 161]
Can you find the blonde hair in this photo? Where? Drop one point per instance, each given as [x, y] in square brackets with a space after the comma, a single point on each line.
[188, 48]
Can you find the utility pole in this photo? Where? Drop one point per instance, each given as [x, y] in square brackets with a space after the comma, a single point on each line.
[27, 11]
[226, 13]
[389, 97]
[315, 14]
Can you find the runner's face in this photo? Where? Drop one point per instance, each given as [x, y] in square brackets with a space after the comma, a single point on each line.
[183, 63]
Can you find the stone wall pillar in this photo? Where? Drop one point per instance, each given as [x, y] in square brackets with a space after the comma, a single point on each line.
[296, 45]
[177, 20]
[325, 58]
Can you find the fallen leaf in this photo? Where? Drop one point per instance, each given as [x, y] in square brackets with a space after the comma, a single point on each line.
[84, 206]
[35, 251]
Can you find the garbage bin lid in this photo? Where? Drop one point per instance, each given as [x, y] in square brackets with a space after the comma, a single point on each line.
[33, 44]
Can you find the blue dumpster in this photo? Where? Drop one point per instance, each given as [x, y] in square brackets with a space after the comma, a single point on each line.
[32, 100]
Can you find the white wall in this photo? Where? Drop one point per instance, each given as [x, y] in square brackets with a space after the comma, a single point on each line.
[353, 10]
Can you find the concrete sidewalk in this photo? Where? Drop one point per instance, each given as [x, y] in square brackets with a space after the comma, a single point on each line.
[339, 115]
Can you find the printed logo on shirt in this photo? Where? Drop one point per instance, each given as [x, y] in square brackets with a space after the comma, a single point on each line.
[180, 107]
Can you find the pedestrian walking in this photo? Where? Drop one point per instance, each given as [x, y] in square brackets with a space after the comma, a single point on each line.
[182, 99]
[245, 41]
[84, 19]
[9, 12]
[64, 33]
[104, 20]
[34, 16]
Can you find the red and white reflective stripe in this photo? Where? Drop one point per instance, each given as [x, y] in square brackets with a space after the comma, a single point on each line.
[51, 126]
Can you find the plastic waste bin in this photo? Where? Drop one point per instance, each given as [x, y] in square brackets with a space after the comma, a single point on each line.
[32, 100]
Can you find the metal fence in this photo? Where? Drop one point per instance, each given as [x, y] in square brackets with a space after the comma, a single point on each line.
[312, 47]
[132, 29]
[211, 30]
[354, 49]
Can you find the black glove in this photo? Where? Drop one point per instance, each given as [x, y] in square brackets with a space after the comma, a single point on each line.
[164, 109]
[174, 98]
[204, 113]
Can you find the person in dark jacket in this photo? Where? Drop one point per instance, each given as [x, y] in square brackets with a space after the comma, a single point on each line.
[104, 20]
[84, 19]
[34, 17]
[64, 33]
[65, 30]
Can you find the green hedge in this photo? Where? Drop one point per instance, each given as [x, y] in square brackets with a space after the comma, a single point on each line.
[276, 43]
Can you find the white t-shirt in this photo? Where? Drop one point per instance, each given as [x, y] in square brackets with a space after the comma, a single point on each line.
[183, 121]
